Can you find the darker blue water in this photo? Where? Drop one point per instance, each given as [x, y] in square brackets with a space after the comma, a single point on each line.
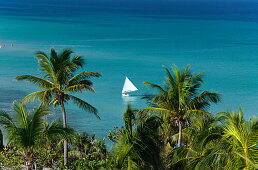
[223, 10]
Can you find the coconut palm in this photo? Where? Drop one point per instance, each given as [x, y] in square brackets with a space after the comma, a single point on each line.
[230, 144]
[59, 80]
[180, 99]
[137, 147]
[80, 142]
[204, 147]
[84, 144]
[27, 128]
[242, 137]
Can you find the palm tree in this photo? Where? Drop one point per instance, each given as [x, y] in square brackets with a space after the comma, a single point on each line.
[204, 147]
[26, 129]
[138, 146]
[242, 137]
[59, 80]
[180, 99]
[80, 142]
[224, 142]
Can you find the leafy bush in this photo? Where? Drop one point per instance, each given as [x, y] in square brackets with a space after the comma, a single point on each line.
[11, 158]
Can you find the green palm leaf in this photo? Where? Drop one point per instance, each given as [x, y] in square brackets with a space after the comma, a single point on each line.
[36, 80]
[79, 88]
[84, 105]
[82, 76]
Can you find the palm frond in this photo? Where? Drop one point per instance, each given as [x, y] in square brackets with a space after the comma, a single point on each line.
[169, 77]
[79, 88]
[196, 113]
[42, 83]
[78, 61]
[43, 96]
[248, 160]
[6, 121]
[21, 115]
[65, 54]
[84, 105]
[37, 121]
[55, 130]
[32, 97]
[155, 86]
[46, 65]
[82, 76]
[205, 99]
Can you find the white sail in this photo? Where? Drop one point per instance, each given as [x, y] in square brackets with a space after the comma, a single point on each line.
[128, 86]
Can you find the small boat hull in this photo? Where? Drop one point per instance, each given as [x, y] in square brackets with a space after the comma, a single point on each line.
[125, 94]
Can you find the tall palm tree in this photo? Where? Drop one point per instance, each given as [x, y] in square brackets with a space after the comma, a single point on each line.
[27, 128]
[59, 80]
[180, 98]
[242, 137]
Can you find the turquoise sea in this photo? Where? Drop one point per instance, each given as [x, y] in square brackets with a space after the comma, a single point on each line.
[133, 39]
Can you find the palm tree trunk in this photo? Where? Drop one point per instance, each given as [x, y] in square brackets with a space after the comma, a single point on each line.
[129, 163]
[28, 167]
[246, 155]
[28, 162]
[179, 133]
[1, 141]
[65, 141]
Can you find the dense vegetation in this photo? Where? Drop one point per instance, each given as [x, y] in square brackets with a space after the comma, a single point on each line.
[176, 131]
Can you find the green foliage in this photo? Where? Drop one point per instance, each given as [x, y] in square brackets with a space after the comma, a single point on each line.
[59, 79]
[86, 163]
[87, 144]
[10, 157]
[27, 129]
[179, 101]
[86, 152]
[48, 155]
[224, 142]
[137, 146]
[242, 137]
[115, 133]
[178, 114]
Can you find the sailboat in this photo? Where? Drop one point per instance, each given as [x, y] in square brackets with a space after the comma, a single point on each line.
[128, 87]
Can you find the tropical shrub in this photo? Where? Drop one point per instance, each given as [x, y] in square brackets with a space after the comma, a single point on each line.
[26, 129]
[10, 157]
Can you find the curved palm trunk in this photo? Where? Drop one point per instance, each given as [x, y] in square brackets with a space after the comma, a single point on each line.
[179, 133]
[64, 125]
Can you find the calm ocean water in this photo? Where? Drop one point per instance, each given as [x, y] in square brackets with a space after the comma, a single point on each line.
[134, 40]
